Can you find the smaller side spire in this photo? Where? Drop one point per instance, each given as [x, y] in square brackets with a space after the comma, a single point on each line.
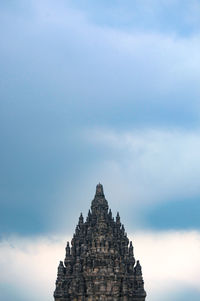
[131, 249]
[61, 269]
[138, 269]
[118, 218]
[59, 282]
[139, 283]
[67, 249]
[88, 219]
[81, 220]
[68, 256]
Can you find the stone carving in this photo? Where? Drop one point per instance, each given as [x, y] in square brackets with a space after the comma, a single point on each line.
[99, 264]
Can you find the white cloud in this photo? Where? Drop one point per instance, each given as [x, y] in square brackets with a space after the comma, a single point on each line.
[170, 262]
[29, 266]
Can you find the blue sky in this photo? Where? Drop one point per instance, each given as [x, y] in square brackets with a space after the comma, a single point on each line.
[99, 91]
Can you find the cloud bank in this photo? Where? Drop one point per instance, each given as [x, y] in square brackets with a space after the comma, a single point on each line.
[170, 262]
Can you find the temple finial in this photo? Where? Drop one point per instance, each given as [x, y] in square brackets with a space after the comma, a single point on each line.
[99, 190]
[99, 202]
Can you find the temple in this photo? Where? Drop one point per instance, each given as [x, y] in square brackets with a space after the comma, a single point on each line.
[99, 264]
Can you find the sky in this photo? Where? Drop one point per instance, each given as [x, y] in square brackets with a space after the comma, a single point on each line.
[100, 91]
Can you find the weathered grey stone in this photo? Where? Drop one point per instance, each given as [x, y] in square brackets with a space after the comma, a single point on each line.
[100, 263]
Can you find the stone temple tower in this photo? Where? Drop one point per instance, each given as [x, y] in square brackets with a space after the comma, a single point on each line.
[99, 264]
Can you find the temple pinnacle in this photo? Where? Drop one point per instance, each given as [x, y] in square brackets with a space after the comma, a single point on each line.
[99, 190]
[99, 264]
[99, 202]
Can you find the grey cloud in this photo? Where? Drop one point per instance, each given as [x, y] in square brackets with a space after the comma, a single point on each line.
[61, 73]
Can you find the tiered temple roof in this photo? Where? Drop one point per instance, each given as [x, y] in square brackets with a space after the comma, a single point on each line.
[99, 264]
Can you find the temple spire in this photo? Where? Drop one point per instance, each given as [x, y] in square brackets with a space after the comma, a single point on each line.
[99, 263]
[99, 202]
[99, 190]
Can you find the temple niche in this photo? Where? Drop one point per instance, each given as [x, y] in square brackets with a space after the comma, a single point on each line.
[99, 264]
